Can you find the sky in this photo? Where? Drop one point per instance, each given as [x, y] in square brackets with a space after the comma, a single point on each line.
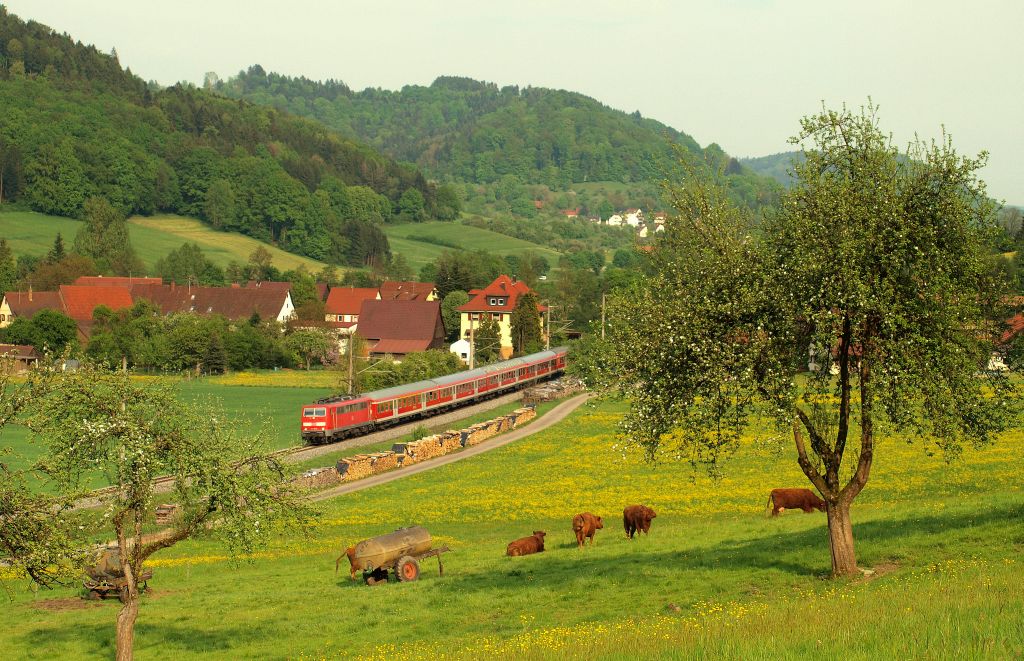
[740, 73]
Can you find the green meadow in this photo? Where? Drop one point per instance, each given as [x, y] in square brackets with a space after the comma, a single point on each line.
[152, 237]
[716, 578]
[421, 243]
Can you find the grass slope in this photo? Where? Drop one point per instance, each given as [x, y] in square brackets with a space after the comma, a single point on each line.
[946, 539]
[404, 240]
[152, 237]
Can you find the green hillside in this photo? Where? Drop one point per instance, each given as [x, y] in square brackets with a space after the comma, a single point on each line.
[421, 243]
[776, 166]
[463, 130]
[76, 125]
[152, 238]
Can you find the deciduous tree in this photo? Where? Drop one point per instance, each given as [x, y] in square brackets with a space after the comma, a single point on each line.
[876, 263]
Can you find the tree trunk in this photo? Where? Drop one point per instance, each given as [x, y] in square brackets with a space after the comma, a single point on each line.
[840, 538]
[126, 626]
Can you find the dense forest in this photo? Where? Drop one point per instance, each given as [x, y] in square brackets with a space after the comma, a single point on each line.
[463, 130]
[776, 166]
[77, 125]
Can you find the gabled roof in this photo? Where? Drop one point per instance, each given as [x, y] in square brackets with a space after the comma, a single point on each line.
[502, 288]
[116, 281]
[401, 347]
[231, 302]
[1014, 325]
[17, 351]
[26, 304]
[401, 320]
[406, 290]
[349, 300]
[81, 300]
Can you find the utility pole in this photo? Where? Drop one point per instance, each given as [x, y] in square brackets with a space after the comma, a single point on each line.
[602, 316]
[351, 361]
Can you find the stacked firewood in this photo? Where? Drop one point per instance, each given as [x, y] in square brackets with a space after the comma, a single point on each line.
[428, 447]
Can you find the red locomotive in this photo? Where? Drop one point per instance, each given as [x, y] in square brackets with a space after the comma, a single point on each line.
[335, 418]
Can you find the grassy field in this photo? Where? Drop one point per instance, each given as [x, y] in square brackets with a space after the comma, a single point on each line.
[273, 407]
[945, 541]
[152, 237]
[403, 239]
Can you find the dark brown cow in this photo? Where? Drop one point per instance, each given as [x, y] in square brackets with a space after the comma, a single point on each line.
[637, 517]
[802, 499]
[586, 525]
[527, 545]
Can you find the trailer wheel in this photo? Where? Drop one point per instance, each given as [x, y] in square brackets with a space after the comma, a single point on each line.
[407, 569]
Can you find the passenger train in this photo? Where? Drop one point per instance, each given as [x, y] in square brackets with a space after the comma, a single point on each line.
[342, 416]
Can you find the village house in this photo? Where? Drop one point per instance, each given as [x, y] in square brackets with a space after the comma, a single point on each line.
[343, 304]
[17, 358]
[26, 303]
[408, 290]
[397, 328]
[634, 217]
[615, 220]
[660, 217]
[571, 213]
[496, 301]
[273, 303]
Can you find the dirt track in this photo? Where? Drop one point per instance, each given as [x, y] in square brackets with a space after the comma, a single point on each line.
[554, 416]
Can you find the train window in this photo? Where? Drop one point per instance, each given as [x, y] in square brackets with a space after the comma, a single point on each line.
[383, 407]
[312, 412]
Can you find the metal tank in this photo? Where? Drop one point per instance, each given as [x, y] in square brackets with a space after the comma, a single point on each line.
[383, 551]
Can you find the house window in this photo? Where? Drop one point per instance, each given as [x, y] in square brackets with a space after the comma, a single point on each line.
[494, 301]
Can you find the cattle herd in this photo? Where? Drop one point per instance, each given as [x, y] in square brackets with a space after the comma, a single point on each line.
[585, 525]
[637, 518]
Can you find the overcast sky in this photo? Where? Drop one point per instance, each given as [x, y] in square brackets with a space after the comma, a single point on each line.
[736, 72]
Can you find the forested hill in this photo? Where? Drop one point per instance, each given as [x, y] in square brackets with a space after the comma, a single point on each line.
[776, 166]
[76, 125]
[465, 130]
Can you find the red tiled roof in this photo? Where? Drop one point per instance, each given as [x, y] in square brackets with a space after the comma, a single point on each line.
[26, 304]
[17, 351]
[402, 320]
[406, 290]
[503, 288]
[348, 300]
[1015, 325]
[81, 300]
[231, 302]
[401, 347]
[115, 281]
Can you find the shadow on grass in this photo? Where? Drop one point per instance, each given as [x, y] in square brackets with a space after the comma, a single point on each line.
[99, 639]
[802, 554]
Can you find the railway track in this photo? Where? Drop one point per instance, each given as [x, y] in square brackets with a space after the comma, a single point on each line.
[299, 453]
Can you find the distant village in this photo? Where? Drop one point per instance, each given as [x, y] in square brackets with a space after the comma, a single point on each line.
[631, 217]
[393, 320]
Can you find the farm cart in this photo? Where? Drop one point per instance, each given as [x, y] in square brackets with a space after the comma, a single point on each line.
[106, 578]
[400, 552]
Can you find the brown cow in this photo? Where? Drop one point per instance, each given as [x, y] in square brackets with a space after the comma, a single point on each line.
[637, 517]
[527, 545]
[351, 553]
[586, 525]
[804, 499]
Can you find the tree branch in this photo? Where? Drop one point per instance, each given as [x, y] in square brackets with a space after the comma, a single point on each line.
[844, 385]
[806, 465]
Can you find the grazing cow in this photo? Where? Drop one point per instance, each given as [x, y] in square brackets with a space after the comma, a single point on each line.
[586, 525]
[350, 552]
[637, 517]
[803, 499]
[527, 545]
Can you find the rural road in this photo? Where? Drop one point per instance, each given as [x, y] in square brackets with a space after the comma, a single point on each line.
[553, 417]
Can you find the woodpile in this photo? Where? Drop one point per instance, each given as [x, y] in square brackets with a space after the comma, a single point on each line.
[165, 513]
[428, 447]
[319, 478]
[557, 389]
